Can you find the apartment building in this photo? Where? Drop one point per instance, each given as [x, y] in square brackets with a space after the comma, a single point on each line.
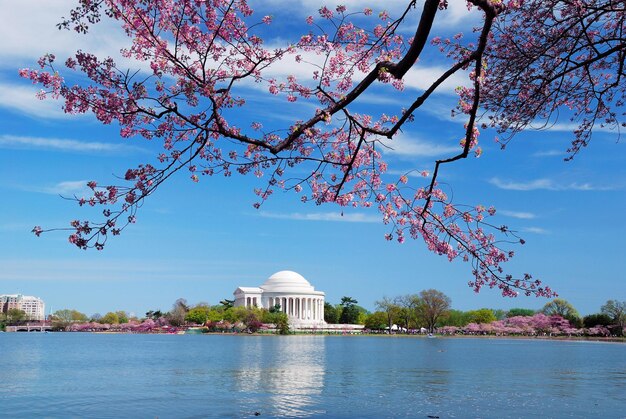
[34, 307]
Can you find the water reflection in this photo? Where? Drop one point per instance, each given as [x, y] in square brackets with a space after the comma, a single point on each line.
[83, 375]
[282, 375]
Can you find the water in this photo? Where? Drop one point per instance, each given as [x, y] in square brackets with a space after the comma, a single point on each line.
[194, 376]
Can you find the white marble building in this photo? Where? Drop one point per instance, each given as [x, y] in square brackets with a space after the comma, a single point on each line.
[295, 295]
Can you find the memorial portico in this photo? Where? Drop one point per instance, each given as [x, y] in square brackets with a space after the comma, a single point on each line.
[295, 295]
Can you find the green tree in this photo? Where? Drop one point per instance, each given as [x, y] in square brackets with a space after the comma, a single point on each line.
[562, 308]
[598, 319]
[251, 317]
[616, 310]
[499, 313]
[277, 318]
[199, 314]
[275, 309]
[227, 303]
[236, 314]
[154, 314]
[331, 314]
[61, 319]
[376, 321]
[363, 313]
[282, 324]
[110, 318]
[483, 315]
[391, 310]
[122, 316]
[456, 318]
[3, 321]
[525, 312]
[406, 315]
[432, 305]
[349, 311]
[15, 316]
[216, 313]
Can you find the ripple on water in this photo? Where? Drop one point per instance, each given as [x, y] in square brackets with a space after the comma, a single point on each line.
[111, 376]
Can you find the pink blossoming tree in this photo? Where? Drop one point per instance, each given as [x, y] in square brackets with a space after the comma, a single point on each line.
[527, 60]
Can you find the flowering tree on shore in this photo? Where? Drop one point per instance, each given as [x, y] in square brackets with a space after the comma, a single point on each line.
[536, 325]
[527, 61]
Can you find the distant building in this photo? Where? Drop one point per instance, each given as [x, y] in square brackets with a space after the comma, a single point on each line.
[295, 295]
[34, 307]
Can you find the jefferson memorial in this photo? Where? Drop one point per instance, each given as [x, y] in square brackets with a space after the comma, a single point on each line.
[294, 294]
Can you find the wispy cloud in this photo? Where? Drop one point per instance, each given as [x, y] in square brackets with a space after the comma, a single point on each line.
[546, 184]
[518, 214]
[404, 145]
[22, 47]
[455, 13]
[422, 78]
[549, 153]
[410, 173]
[535, 230]
[66, 188]
[323, 216]
[554, 125]
[70, 187]
[61, 144]
[380, 99]
[21, 98]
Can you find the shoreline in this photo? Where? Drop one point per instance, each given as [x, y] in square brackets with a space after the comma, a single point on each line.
[606, 339]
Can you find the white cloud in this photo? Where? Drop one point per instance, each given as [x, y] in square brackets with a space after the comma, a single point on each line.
[61, 144]
[542, 125]
[549, 153]
[22, 48]
[29, 31]
[410, 173]
[518, 214]
[535, 230]
[404, 145]
[546, 184]
[68, 188]
[455, 13]
[381, 99]
[323, 216]
[422, 77]
[419, 77]
[21, 98]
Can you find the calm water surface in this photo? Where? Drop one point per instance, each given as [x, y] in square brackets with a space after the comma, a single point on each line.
[194, 376]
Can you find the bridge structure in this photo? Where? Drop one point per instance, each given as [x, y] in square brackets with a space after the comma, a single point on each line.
[30, 327]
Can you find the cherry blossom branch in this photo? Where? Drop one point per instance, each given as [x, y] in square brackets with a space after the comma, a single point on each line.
[201, 54]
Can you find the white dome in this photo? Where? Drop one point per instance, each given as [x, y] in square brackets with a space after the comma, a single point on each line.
[287, 281]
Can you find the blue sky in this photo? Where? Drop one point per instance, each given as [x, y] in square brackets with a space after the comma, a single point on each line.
[200, 241]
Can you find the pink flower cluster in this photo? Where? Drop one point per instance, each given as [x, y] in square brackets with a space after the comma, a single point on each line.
[536, 325]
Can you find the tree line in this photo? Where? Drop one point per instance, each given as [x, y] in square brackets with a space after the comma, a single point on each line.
[221, 317]
[432, 310]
